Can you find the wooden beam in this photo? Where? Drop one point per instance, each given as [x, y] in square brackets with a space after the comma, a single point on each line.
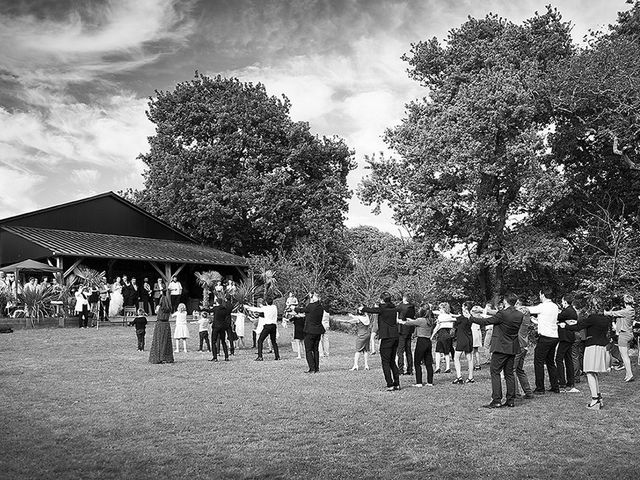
[175, 274]
[59, 264]
[243, 275]
[162, 274]
[72, 267]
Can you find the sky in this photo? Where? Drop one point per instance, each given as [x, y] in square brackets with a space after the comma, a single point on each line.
[76, 76]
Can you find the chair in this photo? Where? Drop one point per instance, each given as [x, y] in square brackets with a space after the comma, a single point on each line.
[128, 312]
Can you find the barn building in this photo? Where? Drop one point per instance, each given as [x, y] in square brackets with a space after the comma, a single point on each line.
[108, 233]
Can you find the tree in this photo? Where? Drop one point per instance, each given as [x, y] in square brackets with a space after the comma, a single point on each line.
[228, 166]
[471, 155]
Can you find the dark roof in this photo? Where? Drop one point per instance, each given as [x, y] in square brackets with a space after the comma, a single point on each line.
[102, 195]
[100, 245]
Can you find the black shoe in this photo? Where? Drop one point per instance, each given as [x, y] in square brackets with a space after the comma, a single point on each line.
[493, 405]
[458, 381]
[436, 371]
[529, 395]
[316, 371]
[448, 370]
[277, 358]
[509, 403]
[226, 359]
[538, 392]
[396, 388]
[259, 359]
[554, 390]
[213, 359]
[310, 371]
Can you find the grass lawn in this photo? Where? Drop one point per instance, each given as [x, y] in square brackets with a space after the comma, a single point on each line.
[79, 403]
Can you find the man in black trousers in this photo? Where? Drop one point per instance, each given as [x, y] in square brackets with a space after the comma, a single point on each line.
[388, 334]
[406, 311]
[504, 345]
[313, 330]
[564, 359]
[220, 321]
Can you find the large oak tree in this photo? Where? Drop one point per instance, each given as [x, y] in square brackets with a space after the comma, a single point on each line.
[229, 166]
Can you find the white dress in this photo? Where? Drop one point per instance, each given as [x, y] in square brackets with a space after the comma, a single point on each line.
[117, 301]
[476, 332]
[239, 324]
[182, 329]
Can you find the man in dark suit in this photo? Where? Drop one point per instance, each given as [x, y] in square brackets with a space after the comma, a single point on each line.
[504, 345]
[564, 359]
[220, 321]
[313, 330]
[406, 311]
[389, 338]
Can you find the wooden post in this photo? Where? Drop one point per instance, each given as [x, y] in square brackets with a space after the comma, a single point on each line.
[69, 270]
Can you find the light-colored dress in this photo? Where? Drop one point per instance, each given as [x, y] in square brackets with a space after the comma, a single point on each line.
[239, 323]
[117, 300]
[476, 332]
[182, 329]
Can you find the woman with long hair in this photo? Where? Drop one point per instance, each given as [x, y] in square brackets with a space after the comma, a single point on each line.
[161, 348]
[596, 358]
[464, 344]
[117, 300]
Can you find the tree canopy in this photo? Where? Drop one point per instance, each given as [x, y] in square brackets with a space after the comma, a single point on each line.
[230, 167]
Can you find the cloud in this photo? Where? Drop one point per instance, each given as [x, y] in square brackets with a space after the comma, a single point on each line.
[104, 38]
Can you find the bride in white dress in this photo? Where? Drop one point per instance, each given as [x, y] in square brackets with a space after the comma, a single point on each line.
[117, 301]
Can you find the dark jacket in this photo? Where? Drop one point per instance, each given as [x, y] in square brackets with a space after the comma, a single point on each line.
[506, 324]
[406, 311]
[387, 320]
[139, 322]
[313, 313]
[596, 326]
[220, 316]
[565, 335]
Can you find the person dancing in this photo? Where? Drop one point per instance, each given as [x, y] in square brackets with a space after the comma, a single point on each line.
[504, 347]
[388, 333]
[595, 352]
[363, 339]
[267, 326]
[313, 330]
[220, 323]
[624, 326]
[464, 344]
[422, 354]
[443, 333]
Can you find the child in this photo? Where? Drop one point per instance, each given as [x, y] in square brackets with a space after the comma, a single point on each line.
[203, 328]
[182, 329]
[476, 332]
[239, 326]
[140, 322]
[324, 339]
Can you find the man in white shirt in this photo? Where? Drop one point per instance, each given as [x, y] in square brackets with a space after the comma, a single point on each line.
[175, 291]
[545, 351]
[267, 326]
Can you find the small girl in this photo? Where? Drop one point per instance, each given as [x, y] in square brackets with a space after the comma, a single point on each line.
[476, 332]
[182, 329]
[140, 322]
[203, 328]
[444, 335]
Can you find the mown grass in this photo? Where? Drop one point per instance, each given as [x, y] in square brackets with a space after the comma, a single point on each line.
[85, 404]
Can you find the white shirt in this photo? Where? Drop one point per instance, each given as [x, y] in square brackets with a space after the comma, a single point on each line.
[270, 316]
[175, 288]
[547, 313]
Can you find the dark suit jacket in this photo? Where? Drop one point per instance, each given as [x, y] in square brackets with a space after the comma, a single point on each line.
[313, 313]
[221, 319]
[565, 335]
[405, 311]
[506, 324]
[387, 319]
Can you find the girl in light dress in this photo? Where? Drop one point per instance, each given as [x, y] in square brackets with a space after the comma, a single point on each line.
[476, 332]
[117, 300]
[443, 335]
[182, 330]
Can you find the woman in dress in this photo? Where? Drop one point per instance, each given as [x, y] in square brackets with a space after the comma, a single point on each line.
[117, 300]
[464, 343]
[624, 327]
[363, 339]
[443, 333]
[596, 358]
[182, 329]
[161, 348]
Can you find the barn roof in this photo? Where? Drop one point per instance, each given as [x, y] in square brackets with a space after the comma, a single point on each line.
[100, 245]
